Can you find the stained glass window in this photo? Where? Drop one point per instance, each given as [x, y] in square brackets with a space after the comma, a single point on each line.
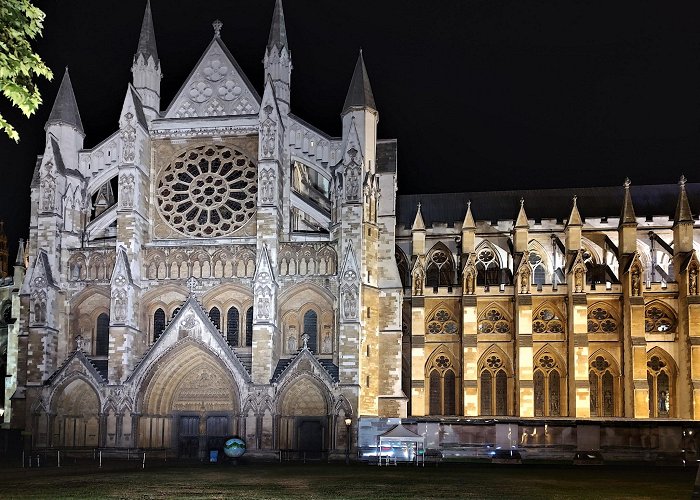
[215, 316]
[660, 388]
[494, 321]
[443, 385]
[486, 390]
[602, 386]
[249, 327]
[548, 387]
[232, 326]
[158, 323]
[442, 322]
[435, 393]
[311, 328]
[547, 321]
[102, 335]
[659, 319]
[488, 267]
[440, 268]
[494, 394]
[539, 271]
[601, 320]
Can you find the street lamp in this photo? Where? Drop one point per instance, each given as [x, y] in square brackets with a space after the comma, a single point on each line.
[348, 423]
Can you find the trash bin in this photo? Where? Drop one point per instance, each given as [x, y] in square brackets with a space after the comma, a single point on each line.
[213, 456]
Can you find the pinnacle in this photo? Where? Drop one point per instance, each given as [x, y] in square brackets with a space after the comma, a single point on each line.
[574, 216]
[468, 222]
[65, 107]
[278, 30]
[147, 38]
[627, 216]
[521, 221]
[683, 213]
[418, 223]
[360, 91]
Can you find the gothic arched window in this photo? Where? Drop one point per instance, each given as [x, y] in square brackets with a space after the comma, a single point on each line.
[494, 386]
[660, 377]
[158, 323]
[102, 335]
[232, 326]
[249, 327]
[548, 386]
[488, 268]
[601, 320]
[494, 320]
[539, 271]
[443, 387]
[658, 318]
[441, 321]
[402, 264]
[547, 320]
[602, 381]
[311, 329]
[440, 267]
[215, 316]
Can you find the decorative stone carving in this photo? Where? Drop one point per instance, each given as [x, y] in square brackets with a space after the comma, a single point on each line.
[418, 279]
[128, 136]
[79, 342]
[578, 280]
[120, 305]
[469, 281]
[267, 186]
[39, 300]
[268, 135]
[327, 346]
[350, 303]
[198, 200]
[693, 281]
[525, 281]
[48, 190]
[126, 190]
[352, 184]
[636, 282]
[291, 342]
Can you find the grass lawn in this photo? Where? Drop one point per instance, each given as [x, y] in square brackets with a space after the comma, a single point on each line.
[322, 481]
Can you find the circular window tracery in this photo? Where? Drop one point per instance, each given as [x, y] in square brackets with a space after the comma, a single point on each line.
[208, 191]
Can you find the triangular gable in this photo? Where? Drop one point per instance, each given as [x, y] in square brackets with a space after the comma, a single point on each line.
[132, 104]
[122, 270]
[303, 356]
[39, 268]
[216, 87]
[352, 148]
[79, 363]
[574, 260]
[350, 265]
[191, 322]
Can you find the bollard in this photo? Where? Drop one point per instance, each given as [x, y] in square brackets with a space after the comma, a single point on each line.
[143, 464]
[58, 457]
[38, 464]
[23, 459]
[100, 459]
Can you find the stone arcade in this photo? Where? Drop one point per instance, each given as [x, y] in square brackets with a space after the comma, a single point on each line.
[222, 267]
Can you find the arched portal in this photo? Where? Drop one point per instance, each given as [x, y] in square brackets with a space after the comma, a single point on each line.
[304, 420]
[190, 403]
[77, 422]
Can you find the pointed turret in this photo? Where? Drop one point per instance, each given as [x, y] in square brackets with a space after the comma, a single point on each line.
[65, 107]
[627, 228]
[147, 39]
[146, 67]
[573, 229]
[520, 230]
[683, 222]
[468, 230]
[19, 260]
[418, 232]
[278, 59]
[278, 30]
[20, 264]
[360, 91]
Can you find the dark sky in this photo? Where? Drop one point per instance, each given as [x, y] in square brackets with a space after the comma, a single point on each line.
[481, 94]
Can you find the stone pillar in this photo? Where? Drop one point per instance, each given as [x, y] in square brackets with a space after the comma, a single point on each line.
[470, 356]
[524, 353]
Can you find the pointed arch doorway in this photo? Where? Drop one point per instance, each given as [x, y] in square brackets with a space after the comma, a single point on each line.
[304, 418]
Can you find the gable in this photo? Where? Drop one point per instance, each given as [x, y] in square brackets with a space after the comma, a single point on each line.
[216, 87]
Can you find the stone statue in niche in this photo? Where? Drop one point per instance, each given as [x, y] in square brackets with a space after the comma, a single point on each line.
[264, 307]
[120, 305]
[578, 280]
[49, 195]
[418, 283]
[636, 282]
[126, 185]
[79, 343]
[292, 342]
[469, 282]
[353, 189]
[267, 187]
[350, 304]
[39, 311]
[693, 281]
[327, 346]
[128, 135]
[525, 282]
[269, 130]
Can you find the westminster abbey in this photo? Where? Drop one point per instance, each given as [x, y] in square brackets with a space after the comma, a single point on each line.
[217, 266]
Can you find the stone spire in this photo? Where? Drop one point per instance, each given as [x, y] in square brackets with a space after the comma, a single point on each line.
[418, 233]
[521, 221]
[574, 216]
[468, 222]
[278, 30]
[418, 224]
[573, 229]
[147, 38]
[683, 213]
[65, 108]
[468, 230]
[360, 91]
[19, 260]
[627, 216]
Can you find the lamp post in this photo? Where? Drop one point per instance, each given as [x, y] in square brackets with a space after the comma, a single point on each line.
[348, 423]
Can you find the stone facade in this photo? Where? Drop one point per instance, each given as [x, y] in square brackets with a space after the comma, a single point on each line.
[221, 267]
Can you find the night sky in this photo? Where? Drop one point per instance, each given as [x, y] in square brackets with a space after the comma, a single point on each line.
[482, 95]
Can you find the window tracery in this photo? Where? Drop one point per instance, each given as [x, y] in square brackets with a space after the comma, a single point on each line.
[601, 320]
[442, 384]
[208, 191]
[488, 267]
[539, 270]
[440, 267]
[494, 386]
[232, 327]
[548, 386]
[660, 378]
[547, 320]
[158, 323]
[102, 335]
[659, 319]
[442, 322]
[493, 320]
[602, 381]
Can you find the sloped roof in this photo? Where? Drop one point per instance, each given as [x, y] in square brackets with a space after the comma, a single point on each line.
[65, 107]
[400, 433]
[360, 91]
[649, 201]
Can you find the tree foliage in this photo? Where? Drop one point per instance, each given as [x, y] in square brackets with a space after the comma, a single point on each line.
[20, 22]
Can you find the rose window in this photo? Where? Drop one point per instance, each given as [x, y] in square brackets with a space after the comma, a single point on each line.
[208, 191]
[600, 320]
[494, 321]
[442, 322]
[546, 321]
